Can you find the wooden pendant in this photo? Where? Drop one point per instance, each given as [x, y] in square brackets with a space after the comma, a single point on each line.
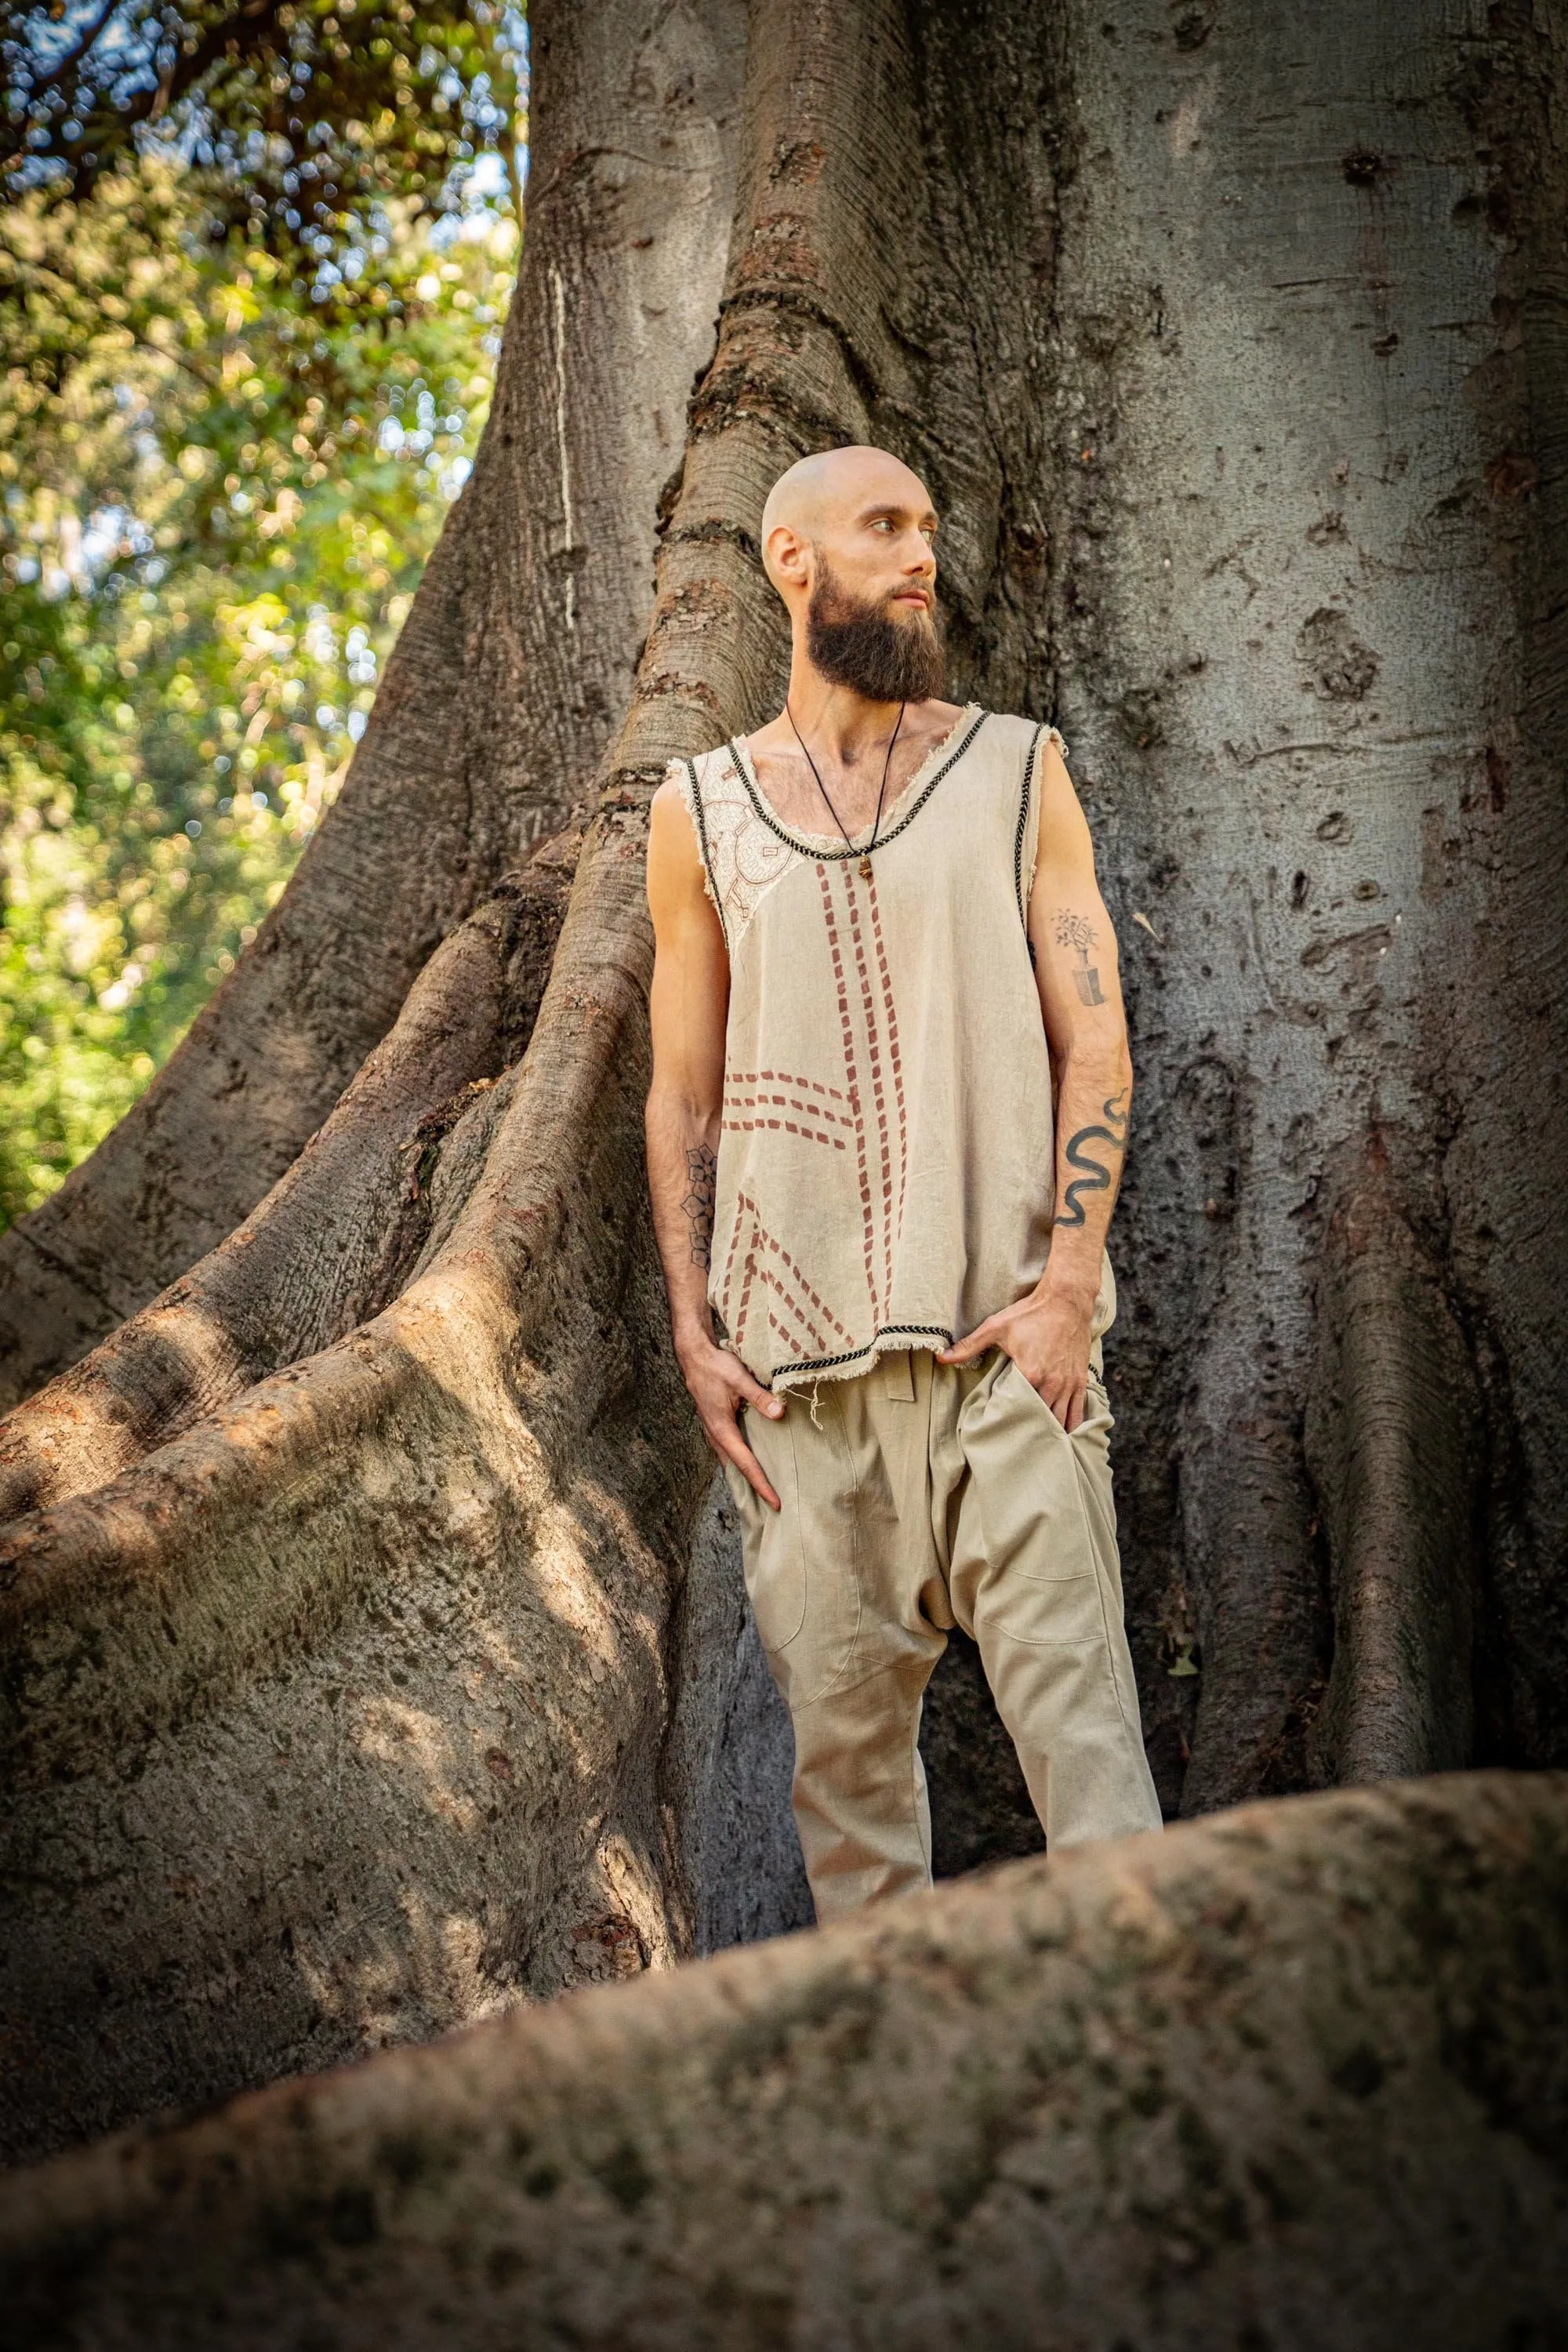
[866, 869]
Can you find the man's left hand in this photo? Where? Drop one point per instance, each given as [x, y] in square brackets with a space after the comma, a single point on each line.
[1048, 1337]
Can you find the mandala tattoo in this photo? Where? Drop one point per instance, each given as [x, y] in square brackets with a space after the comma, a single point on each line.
[1075, 930]
[702, 1173]
[1095, 1177]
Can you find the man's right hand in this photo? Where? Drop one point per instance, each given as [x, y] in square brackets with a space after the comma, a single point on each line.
[719, 1385]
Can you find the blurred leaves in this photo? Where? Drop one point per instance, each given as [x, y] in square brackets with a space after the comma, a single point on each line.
[220, 475]
[294, 113]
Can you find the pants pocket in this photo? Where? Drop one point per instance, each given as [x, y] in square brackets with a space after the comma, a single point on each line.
[1035, 1523]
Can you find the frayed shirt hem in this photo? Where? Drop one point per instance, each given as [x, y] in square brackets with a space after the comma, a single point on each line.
[783, 1378]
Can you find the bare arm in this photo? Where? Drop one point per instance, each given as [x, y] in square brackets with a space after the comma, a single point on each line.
[687, 1006]
[1076, 970]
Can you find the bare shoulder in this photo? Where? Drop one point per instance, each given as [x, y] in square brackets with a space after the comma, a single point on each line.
[1042, 754]
[679, 892]
[674, 852]
[1054, 775]
[671, 797]
[1065, 840]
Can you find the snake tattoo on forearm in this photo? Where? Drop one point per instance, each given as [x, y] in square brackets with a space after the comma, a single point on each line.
[1094, 1179]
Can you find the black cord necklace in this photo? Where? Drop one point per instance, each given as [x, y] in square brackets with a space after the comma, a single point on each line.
[822, 788]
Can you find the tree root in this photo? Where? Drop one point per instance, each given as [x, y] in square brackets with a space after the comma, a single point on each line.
[498, 697]
[1394, 1439]
[437, 1558]
[1149, 2093]
[334, 1238]
[434, 1566]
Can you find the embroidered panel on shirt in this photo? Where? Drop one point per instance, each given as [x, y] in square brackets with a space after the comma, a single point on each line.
[741, 859]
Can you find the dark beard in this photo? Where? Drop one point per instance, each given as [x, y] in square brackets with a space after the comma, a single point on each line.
[864, 648]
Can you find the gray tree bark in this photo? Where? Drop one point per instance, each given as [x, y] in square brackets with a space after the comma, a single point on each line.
[375, 1656]
[1309, 589]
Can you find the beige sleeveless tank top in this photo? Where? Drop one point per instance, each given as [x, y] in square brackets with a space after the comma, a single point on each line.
[885, 1174]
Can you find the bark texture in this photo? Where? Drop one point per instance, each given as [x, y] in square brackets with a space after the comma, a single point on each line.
[1308, 587]
[1393, 1445]
[474, 1512]
[341, 1717]
[335, 1238]
[371, 1651]
[1294, 2077]
[442, 1555]
[503, 690]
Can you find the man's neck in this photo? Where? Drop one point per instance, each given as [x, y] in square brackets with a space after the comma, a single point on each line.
[834, 719]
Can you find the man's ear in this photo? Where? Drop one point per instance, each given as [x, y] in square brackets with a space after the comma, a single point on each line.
[785, 556]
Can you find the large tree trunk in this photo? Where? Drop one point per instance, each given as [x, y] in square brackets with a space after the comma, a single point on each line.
[374, 1654]
[503, 688]
[1310, 597]
[1295, 2077]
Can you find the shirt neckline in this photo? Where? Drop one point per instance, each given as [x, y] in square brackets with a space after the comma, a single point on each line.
[921, 783]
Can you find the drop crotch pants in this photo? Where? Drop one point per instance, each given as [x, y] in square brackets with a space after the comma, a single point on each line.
[918, 1496]
[859, 1791]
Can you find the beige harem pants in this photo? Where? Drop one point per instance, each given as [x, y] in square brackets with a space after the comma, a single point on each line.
[919, 1497]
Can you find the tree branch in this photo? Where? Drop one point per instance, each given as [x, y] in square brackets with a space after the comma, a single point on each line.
[73, 57]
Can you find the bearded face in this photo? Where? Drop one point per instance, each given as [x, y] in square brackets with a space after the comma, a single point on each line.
[886, 653]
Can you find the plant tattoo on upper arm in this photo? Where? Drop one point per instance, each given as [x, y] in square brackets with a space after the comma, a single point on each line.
[1075, 930]
[1095, 1178]
[701, 1170]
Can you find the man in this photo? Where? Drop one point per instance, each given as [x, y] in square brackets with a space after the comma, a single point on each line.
[878, 937]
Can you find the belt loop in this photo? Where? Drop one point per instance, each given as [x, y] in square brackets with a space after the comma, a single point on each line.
[899, 1374]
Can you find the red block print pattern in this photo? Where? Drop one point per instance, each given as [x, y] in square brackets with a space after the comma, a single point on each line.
[884, 1072]
[865, 1114]
[767, 1098]
[857, 1075]
[772, 1284]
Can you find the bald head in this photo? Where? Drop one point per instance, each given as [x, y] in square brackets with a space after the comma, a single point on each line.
[828, 493]
[848, 542]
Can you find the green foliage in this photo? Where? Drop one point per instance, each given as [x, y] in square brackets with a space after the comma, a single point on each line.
[220, 482]
[293, 111]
